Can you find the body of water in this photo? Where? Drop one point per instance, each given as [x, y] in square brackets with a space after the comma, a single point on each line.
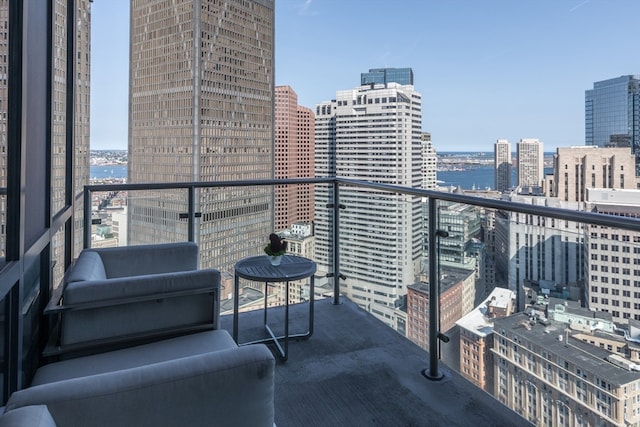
[108, 171]
[478, 177]
[475, 177]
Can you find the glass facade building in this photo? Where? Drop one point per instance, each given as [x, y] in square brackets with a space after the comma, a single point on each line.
[612, 113]
[403, 76]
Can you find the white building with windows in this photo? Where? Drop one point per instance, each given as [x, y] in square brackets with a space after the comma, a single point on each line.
[530, 163]
[613, 257]
[429, 162]
[372, 132]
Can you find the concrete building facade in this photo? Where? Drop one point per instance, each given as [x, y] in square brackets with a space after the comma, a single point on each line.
[578, 168]
[613, 257]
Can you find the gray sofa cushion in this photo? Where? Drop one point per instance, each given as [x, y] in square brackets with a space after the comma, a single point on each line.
[232, 387]
[174, 348]
[32, 416]
[151, 315]
[126, 261]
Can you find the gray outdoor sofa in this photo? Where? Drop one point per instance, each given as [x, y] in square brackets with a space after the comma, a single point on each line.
[151, 353]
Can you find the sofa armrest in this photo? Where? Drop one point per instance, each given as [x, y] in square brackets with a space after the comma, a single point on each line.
[228, 387]
[159, 305]
[148, 259]
[32, 416]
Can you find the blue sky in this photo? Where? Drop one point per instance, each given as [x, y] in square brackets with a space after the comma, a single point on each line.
[487, 69]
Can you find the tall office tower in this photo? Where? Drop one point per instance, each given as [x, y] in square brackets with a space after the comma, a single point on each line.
[63, 150]
[403, 76]
[502, 164]
[530, 163]
[372, 133]
[612, 113]
[612, 257]
[577, 168]
[201, 109]
[294, 158]
[429, 162]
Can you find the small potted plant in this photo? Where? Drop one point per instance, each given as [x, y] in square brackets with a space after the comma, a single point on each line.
[275, 249]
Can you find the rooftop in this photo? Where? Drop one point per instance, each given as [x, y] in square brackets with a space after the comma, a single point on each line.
[356, 371]
[478, 320]
[553, 338]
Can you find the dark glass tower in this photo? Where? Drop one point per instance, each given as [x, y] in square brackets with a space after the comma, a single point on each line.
[612, 114]
[403, 76]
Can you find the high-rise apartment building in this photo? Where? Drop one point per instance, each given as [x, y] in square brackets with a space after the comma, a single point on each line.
[429, 162]
[372, 132]
[502, 165]
[612, 113]
[578, 168]
[201, 109]
[530, 163]
[294, 158]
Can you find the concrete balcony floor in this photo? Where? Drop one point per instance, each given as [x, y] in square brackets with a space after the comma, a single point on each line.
[355, 371]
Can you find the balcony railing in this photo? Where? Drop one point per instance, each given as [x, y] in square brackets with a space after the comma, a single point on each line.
[529, 247]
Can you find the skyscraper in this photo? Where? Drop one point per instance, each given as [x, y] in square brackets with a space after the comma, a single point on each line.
[201, 109]
[294, 158]
[67, 80]
[612, 113]
[530, 163]
[372, 132]
[502, 164]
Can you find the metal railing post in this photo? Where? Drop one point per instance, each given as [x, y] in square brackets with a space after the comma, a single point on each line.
[86, 241]
[433, 373]
[336, 233]
[191, 221]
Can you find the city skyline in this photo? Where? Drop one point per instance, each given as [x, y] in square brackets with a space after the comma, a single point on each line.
[520, 72]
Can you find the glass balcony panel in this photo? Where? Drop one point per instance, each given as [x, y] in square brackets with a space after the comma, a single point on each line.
[121, 218]
[247, 235]
[550, 264]
[57, 258]
[3, 219]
